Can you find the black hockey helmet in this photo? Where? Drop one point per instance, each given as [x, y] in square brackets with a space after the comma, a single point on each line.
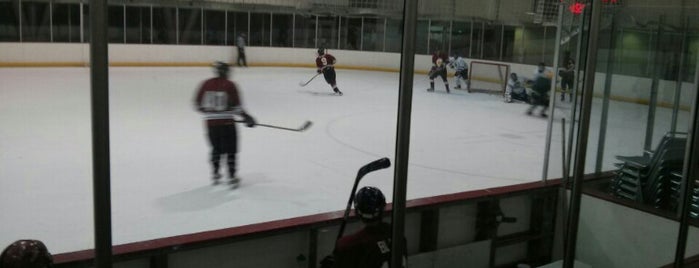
[321, 51]
[26, 253]
[222, 68]
[369, 203]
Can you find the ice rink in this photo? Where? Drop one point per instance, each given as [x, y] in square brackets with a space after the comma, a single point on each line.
[160, 173]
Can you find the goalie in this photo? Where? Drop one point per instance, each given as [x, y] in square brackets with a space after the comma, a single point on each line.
[439, 68]
[515, 90]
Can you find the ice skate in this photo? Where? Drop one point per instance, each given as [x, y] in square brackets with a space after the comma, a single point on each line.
[216, 178]
[337, 91]
[234, 182]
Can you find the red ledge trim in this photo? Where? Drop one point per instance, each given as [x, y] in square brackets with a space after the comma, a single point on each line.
[463, 196]
[288, 224]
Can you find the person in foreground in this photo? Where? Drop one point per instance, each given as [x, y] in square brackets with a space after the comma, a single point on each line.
[26, 254]
[218, 99]
[370, 247]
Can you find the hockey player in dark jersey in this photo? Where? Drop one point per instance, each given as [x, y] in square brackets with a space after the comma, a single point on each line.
[439, 68]
[218, 99]
[326, 65]
[541, 85]
[370, 247]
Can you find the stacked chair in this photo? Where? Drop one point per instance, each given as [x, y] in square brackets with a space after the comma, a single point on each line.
[676, 193]
[694, 205]
[649, 178]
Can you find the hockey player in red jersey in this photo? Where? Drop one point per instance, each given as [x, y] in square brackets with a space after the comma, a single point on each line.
[326, 65]
[218, 99]
[370, 247]
[439, 68]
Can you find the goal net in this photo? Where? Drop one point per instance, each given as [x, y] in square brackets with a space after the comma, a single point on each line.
[488, 77]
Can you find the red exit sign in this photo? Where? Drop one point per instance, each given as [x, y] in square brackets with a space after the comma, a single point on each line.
[578, 7]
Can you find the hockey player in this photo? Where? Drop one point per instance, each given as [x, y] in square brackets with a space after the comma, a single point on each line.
[567, 78]
[439, 68]
[240, 43]
[461, 71]
[218, 99]
[515, 90]
[541, 85]
[326, 65]
[370, 247]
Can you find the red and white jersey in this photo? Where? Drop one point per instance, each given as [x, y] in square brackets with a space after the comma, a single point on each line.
[218, 99]
[325, 60]
[442, 56]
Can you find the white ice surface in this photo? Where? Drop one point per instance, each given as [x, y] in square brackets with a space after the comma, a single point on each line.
[159, 152]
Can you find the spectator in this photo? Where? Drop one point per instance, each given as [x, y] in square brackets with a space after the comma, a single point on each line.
[219, 101]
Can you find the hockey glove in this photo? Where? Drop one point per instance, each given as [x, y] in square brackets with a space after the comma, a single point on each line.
[249, 121]
[319, 71]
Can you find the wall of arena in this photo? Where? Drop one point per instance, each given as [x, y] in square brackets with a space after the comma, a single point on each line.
[624, 88]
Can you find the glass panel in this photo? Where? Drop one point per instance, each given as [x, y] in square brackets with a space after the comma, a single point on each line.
[693, 235]
[637, 142]
[45, 191]
[138, 25]
[394, 35]
[214, 27]
[9, 21]
[66, 22]
[327, 31]
[421, 33]
[477, 40]
[281, 30]
[259, 29]
[237, 24]
[534, 44]
[86, 23]
[190, 26]
[439, 36]
[549, 44]
[508, 46]
[36, 21]
[351, 33]
[373, 34]
[460, 37]
[492, 40]
[115, 24]
[164, 25]
[304, 31]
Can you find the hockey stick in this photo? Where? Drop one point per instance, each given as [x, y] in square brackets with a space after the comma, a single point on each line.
[373, 166]
[309, 80]
[303, 127]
